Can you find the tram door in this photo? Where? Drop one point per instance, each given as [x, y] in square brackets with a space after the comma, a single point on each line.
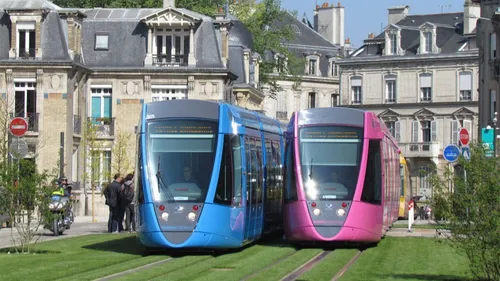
[250, 189]
[259, 186]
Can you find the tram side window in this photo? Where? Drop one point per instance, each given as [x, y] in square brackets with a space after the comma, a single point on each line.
[373, 178]
[140, 191]
[402, 176]
[269, 172]
[290, 186]
[224, 192]
[237, 168]
[260, 175]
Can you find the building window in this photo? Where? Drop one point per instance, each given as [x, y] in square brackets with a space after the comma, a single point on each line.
[425, 184]
[334, 70]
[425, 87]
[312, 66]
[26, 39]
[428, 42]
[356, 89]
[493, 46]
[425, 131]
[493, 104]
[100, 167]
[168, 92]
[394, 45]
[25, 99]
[312, 100]
[334, 100]
[465, 86]
[390, 88]
[101, 42]
[455, 126]
[391, 126]
[171, 47]
[101, 102]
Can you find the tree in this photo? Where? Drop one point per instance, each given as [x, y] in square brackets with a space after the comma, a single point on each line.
[471, 208]
[94, 169]
[24, 191]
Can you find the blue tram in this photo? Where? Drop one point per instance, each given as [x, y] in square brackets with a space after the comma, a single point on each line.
[208, 175]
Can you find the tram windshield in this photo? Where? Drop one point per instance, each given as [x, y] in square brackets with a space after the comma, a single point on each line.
[330, 157]
[181, 158]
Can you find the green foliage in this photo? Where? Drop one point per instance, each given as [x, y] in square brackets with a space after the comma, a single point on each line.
[470, 203]
[25, 196]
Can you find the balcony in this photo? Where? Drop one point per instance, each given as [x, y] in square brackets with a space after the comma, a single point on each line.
[281, 115]
[103, 126]
[170, 60]
[77, 124]
[420, 149]
[27, 54]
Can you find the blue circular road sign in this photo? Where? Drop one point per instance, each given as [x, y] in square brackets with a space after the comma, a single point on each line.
[451, 153]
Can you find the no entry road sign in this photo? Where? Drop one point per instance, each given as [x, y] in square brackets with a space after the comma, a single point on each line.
[18, 126]
[464, 136]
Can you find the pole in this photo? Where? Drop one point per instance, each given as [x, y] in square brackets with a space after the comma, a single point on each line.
[61, 156]
[410, 215]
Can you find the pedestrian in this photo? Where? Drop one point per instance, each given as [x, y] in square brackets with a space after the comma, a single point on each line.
[105, 192]
[114, 203]
[128, 202]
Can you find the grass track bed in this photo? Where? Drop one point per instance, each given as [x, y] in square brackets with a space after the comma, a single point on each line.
[79, 255]
[327, 268]
[286, 266]
[409, 258]
[176, 264]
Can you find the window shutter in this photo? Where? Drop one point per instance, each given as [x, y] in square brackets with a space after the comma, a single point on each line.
[468, 126]
[414, 131]
[397, 131]
[454, 132]
[434, 130]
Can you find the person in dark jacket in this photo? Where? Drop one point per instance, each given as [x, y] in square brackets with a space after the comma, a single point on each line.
[128, 202]
[114, 202]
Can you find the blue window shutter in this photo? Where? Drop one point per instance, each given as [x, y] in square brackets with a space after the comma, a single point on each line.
[107, 107]
[96, 107]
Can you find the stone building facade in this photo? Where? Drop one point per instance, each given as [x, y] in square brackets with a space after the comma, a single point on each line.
[421, 76]
[63, 69]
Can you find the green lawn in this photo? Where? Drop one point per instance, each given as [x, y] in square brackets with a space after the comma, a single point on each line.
[87, 257]
[95, 256]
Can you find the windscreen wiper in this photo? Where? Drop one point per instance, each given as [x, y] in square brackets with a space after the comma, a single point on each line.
[161, 183]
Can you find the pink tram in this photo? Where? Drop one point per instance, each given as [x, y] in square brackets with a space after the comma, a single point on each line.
[342, 178]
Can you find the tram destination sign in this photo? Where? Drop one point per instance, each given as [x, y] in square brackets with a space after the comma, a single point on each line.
[182, 127]
[331, 132]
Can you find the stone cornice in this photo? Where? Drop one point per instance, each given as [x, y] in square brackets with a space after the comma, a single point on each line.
[395, 59]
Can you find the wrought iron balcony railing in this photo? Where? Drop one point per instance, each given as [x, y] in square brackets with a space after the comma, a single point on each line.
[104, 126]
[170, 60]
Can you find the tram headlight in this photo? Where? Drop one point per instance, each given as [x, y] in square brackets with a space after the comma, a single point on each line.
[191, 216]
[340, 212]
[311, 190]
[316, 212]
[164, 216]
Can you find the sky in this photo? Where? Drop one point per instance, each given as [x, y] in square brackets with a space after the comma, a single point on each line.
[365, 16]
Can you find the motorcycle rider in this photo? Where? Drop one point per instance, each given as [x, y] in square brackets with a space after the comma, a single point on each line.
[64, 189]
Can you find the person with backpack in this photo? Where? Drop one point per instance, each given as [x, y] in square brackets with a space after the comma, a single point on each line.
[128, 205]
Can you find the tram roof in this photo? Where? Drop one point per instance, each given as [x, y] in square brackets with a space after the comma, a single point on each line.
[332, 115]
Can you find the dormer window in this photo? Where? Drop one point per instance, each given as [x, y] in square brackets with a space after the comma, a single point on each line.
[393, 41]
[394, 44]
[334, 69]
[428, 39]
[171, 47]
[428, 42]
[26, 42]
[312, 66]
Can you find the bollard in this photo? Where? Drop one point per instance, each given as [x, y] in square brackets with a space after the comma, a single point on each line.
[410, 215]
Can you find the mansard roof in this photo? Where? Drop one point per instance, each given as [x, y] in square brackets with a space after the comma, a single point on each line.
[127, 30]
[28, 5]
[449, 34]
[308, 40]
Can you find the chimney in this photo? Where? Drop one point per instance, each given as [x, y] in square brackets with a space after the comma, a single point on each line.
[371, 35]
[168, 3]
[329, 22]
[397, 13]
[472, 11]
[347, 43]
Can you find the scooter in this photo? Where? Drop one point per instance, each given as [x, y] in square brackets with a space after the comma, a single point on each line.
[62, 216]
